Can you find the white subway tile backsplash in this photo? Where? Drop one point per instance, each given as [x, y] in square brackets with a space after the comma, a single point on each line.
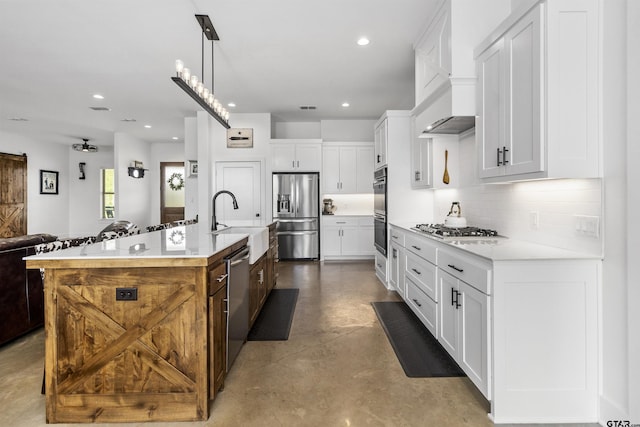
[507, 208]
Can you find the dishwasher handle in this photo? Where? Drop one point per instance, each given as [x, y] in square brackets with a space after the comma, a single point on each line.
[239, 257]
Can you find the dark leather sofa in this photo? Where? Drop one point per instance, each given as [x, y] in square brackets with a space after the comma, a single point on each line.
[21, 290]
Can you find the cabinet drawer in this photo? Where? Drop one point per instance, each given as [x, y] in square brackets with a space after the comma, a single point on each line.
[421, 246]
[423, 273]
[217, 278]
[474, 272]
[424, 307]
[381, 266]
[396, 235]
[339, 221]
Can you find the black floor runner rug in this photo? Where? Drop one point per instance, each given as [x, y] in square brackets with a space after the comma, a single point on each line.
[274, 321]
[419, 353]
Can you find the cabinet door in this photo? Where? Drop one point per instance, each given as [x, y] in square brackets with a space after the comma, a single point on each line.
[254, 293]
[283, 157]
[217, 340]
[421, 158]
[331, 169]
[473, 349]
[364, 167]
[365, 239]
[331, 241]
[448, 286]
[351, 244]
[348, 169]
[308, 157]
[523, 47]
[380, 158]
[490, 123]
[395, 268]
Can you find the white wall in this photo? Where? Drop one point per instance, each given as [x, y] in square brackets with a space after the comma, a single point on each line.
[633, 207]
[615, 402]
[46, 213]
[133, 195]
[84, 199]
[293, 130]
[190, 153]
[347, 130]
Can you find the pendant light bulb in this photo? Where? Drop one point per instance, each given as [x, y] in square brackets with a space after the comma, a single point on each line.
[186, 75]
[179, 67]
[194, 82]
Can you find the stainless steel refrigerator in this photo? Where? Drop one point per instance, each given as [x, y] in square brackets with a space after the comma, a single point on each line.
[296, 210]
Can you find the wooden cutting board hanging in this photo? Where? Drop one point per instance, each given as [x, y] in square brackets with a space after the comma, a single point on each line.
[445, 177]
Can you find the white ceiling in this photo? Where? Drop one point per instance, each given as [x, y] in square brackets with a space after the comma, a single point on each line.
[273, 56]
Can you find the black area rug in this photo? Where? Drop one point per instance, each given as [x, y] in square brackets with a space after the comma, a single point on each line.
[274, 321]
[419, 353]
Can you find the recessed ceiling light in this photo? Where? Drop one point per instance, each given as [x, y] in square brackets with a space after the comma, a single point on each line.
[18, 119]
[175, 138]
[363, 41]
[98, 96]
[128, 120]
[100, 108]
[345, 104]
[231, 104]
[147, 126]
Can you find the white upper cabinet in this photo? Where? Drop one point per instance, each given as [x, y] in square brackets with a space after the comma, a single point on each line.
[380, 145]
[537, 92]
[296, 156]
[347, 169]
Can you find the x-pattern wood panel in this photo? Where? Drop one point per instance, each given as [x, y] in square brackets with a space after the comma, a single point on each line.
[126, 339]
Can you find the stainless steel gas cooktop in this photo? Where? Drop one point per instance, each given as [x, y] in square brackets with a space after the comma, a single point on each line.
[442, 231]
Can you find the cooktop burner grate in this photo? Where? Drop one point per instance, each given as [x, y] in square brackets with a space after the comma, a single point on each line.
[440, 230]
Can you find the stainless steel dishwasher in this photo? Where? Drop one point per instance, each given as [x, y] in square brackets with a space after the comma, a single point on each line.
[237, 302]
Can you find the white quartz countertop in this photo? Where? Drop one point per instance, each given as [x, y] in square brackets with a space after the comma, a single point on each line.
[191, 241]
[502, 248]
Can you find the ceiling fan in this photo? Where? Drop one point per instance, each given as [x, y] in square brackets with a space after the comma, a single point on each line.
[85, 147]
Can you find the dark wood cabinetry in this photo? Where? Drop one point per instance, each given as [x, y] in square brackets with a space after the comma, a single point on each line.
[263, 276]
[217, 329]
[257, 288]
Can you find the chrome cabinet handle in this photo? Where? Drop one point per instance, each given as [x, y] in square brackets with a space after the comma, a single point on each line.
[221, 279]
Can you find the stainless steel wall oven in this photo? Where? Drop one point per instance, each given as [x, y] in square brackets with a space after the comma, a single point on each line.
[380, 210]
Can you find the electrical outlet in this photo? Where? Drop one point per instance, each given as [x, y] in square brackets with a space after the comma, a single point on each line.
[126, 294]
[534, 220]
[587, 226]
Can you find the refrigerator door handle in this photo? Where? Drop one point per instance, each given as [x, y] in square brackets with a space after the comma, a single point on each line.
[296, 233]
[296, 220]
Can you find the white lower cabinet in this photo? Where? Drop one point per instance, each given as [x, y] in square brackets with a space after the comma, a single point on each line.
[397, 262]
[381, 267]
[347, 237]
[524, 330]
[464, 313]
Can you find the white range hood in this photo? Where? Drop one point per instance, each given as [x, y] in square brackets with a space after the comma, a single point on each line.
[450, 111]
[445, 66]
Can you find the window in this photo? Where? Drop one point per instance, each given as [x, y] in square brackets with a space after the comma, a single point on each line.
[107, 193]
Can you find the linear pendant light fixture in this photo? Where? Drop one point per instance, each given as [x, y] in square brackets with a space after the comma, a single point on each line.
[196, 89]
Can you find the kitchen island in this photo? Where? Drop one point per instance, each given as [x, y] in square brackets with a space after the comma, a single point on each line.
[135, 327]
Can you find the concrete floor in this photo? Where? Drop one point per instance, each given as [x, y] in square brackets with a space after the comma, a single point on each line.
[336, 369]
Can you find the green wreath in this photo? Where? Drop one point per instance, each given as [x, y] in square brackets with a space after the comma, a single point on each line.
[176, 182]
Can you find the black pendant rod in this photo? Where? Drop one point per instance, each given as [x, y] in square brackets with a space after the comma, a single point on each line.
[202, 59]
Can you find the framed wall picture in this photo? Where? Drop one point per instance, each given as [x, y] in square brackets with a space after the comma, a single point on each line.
[192, 168]
[48, 182]
[239, 138]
